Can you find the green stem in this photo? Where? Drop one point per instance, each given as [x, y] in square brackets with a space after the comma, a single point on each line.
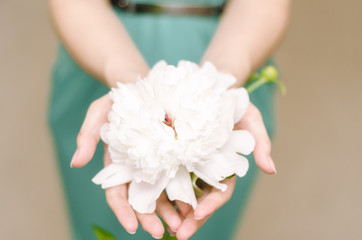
[269, 74]
[256, 84]
[280, 85]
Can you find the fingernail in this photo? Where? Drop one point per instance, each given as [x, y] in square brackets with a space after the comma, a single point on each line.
[75, 156]
[197, 216]
[131, 232]
[272, 165]
[157, 237]
[171, 232]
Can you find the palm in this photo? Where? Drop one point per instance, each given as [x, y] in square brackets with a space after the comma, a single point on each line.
[185, 221]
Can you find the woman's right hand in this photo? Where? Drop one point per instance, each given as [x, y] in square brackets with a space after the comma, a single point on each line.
[117, 197]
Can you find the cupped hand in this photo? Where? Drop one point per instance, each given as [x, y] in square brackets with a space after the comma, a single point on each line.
[213, 199]
[117, 197]
[186, 221]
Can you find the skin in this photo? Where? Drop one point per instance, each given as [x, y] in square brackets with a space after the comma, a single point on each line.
[109, 54]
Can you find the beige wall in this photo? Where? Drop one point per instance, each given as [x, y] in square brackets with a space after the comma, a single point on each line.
[317, 193]
[31, 204]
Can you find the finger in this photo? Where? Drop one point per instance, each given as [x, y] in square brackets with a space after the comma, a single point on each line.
[189, 226]
[168, 213]
[89, 133]
[117, 200]
[214, 200]
[183, 208]
[253, 122]
[151, 224]
[106, 156]
[170, 232]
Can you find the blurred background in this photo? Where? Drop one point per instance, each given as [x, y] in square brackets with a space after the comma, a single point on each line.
[317, 193]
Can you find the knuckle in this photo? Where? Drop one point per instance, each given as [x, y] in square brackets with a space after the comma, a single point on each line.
[218, 199]
[80, 136]
[92, 107]
[268, 143]
[95, 105]
[147, 228]
[252, 116]
[148, 224]
[254, 111]
[111, 198]
[249, 119]
[228, 197]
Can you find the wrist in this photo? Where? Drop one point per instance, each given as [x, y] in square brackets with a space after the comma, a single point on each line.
[240, 68]
[119, 71]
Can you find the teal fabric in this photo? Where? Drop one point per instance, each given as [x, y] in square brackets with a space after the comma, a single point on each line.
[192, 2]
[158, 37]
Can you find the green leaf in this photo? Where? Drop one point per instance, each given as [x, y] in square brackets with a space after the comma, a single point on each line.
[167, 236]
[103, 234]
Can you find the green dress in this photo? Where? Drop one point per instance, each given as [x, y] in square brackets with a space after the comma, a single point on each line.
[171, 38]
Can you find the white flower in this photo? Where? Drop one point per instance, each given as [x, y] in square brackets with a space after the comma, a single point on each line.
[176, 121]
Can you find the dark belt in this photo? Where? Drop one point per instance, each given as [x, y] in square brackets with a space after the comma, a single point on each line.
[169, 8]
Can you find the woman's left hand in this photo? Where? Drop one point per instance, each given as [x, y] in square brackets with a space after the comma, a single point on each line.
[213, 199]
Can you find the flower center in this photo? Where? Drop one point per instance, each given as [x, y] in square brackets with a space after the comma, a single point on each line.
[169, 122]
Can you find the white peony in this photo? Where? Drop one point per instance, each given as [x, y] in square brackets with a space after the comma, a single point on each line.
[176, 121]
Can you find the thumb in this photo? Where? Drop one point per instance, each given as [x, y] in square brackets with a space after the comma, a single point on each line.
[89, 133]
[253, 122]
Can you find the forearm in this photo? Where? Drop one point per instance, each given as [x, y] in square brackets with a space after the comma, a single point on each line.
[248, 32]
[97, 41]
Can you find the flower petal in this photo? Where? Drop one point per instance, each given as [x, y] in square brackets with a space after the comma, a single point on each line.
[214, 170]
[142, 196]
[226, 123]
[239, 164]
[187, 65]
[218, 166]
[209, 179]
[180, 188]
[241, 96]
[222, 165]
[112, 175]
[104, 132]
[240, 141]
[159, 66]
[184, 130]
[225, 81]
